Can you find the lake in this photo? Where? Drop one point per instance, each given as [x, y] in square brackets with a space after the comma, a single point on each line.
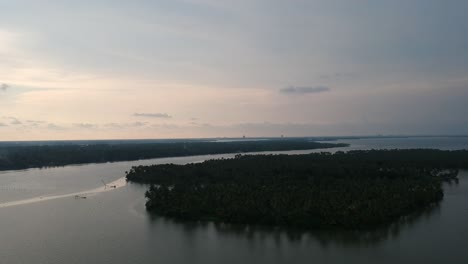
[45, 219]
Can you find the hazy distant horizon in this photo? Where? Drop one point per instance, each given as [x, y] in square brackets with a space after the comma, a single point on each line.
[150, 140]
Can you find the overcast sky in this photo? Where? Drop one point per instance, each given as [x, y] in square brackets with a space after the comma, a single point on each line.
[212, 68]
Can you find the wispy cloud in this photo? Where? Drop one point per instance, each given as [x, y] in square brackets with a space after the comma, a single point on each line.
[12, 120]
[53, 126]
[304, 89]
[15, 121]
[153, 115]
[124, 125]
[113, 125]
[35, 122]
[138, 124]
[4, 87]
[3, 124]
[85, 125]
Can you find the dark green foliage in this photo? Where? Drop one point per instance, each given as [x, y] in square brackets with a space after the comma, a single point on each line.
[21, 157]
[358, 189]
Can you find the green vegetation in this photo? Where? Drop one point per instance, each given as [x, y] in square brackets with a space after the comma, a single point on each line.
[22, 157]
[357, 189]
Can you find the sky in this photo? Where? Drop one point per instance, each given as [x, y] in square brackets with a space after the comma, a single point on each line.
[215, 68]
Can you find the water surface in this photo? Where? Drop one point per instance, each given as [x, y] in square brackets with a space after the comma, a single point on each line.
[113, 226]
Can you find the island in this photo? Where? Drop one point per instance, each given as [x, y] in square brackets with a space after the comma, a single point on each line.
[345, 190]
[13, 157]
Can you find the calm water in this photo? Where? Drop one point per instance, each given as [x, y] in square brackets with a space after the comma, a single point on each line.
[113, 227]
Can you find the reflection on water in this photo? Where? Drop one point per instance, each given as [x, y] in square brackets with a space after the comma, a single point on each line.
[344, 238]
[114, 227]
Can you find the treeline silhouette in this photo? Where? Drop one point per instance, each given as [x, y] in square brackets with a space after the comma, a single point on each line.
[22, 157]
[357, 189]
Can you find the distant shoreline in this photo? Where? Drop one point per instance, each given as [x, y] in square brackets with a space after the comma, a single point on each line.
[215, 139]
[26, 157]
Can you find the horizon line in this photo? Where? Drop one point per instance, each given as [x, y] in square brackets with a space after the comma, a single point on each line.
[242, 137]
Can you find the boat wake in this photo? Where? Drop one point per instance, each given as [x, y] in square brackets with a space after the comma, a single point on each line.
[83, 194]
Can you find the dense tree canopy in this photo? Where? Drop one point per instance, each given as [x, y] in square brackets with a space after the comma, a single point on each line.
[357, 189]
[21, 157]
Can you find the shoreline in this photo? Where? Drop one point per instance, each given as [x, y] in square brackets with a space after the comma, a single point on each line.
[266, 152]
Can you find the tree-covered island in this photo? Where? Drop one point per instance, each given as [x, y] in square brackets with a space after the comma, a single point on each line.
[356, 189]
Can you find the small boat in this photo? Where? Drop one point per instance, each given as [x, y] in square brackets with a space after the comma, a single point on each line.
[110, 186]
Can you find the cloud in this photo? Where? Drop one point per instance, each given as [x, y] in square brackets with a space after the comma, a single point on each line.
[15, 121]
[113, 125]
[167, 126]
[4, 87]
[54, 126]
[304, 89]
[35, 121]
[12, 120]
[138, 124]
[3, 124]
[153, 115]
[85, 125]
[125, 125]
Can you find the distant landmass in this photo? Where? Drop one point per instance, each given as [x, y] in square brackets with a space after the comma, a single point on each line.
[217, 139]
[14, 157]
